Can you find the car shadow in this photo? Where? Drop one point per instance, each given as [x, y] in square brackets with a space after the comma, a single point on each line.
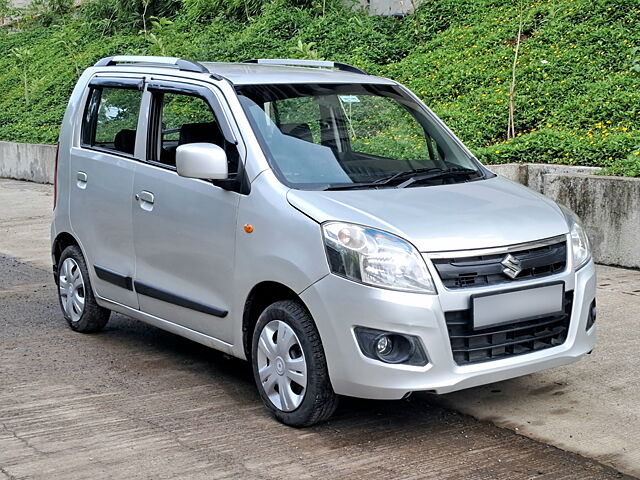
[236, 377]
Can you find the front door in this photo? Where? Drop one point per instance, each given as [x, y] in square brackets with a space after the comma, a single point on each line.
[101, 175]
[184, 228]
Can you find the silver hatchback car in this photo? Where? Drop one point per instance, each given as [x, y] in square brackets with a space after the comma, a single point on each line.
[316, 220]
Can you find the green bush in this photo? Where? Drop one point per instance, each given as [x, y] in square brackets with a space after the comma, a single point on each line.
[577, 97]
[628, 167]
[125, 15]
[204, 10]
[45, 12]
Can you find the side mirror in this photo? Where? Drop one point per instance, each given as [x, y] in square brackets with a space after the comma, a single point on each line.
[202, 160]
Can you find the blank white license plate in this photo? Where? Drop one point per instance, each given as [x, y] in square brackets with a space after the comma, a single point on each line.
[517, 305]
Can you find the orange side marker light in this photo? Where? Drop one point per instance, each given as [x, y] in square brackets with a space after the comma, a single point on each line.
[248, 227]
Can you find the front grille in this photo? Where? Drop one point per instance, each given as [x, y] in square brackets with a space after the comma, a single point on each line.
[484, 270]
[469, 346]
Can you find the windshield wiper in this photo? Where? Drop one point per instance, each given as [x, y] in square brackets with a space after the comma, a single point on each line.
[440, 173]
[351, 186]
[401, 175]
[417, 175]
[382, 181]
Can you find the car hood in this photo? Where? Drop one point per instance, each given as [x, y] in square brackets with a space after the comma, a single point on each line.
[486, 213]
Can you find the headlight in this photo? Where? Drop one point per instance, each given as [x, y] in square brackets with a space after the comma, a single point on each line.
[375, 258]
[579, 240]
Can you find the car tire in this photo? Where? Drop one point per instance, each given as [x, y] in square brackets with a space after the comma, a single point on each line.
[75, 294]
[286, 348]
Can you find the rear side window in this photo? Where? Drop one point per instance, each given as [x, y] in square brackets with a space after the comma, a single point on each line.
[111, 119]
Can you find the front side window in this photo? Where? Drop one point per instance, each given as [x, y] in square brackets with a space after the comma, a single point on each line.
[111, 119]
[185, 119]
[353, 136]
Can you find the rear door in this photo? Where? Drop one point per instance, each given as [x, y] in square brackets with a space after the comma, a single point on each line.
[102, 169]
[184, 228]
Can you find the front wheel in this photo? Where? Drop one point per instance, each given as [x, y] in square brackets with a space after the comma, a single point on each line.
[289, 366]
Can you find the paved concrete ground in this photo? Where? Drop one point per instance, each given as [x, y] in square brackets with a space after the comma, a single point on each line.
[591, 407]
[136, 401]
[25, 215]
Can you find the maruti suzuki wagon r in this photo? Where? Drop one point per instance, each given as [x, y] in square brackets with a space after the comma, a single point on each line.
[315, 220]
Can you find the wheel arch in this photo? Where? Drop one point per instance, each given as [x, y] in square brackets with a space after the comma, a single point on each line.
[62, 241]
[260, 297]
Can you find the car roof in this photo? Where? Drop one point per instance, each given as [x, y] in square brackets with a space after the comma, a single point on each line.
[251, 72]
[254, 73]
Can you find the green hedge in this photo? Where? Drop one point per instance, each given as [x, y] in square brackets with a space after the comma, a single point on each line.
[577, 90]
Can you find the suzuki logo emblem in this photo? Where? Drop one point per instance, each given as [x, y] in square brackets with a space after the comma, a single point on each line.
[512, 266]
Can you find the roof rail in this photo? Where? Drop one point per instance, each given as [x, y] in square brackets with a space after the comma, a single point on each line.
[307, 63]
[179, 63]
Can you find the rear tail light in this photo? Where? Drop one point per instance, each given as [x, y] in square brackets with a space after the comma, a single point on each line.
[55, 177]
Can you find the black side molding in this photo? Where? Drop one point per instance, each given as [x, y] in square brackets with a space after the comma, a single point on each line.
[114, 278]
[159, 294]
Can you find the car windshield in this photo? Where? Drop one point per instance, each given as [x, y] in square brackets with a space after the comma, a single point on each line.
[344, 136]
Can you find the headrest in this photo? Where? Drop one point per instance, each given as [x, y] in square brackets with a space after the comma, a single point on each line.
[298, 130]
[125, 141]
[200, 133]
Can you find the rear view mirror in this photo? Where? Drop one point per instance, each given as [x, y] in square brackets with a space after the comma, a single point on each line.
[202, 160]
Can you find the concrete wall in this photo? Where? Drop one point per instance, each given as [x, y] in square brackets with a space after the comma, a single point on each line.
[608, 206]
[26, 161]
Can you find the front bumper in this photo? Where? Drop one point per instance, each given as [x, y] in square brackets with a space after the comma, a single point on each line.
[339, 305]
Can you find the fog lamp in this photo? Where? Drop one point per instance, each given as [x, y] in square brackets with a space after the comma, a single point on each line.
[384, 345]
[591, 319]
[391, 347]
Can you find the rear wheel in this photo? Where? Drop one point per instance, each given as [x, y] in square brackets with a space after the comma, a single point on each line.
[77, 302]
[289, 366]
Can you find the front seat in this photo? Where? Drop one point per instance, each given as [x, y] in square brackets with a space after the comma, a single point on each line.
[201, 133]
[208, 133]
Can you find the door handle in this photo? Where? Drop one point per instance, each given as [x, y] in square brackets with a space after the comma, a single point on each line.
[145, 196]
[82, 179]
